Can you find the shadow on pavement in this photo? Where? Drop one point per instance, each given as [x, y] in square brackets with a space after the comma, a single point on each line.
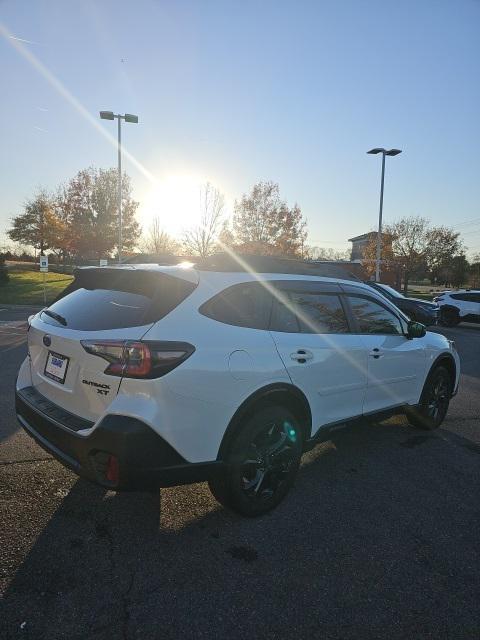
[13, 350]
[378, 539]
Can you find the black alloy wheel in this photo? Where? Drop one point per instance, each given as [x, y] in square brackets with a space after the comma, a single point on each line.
[449, 317]
[262, 462]
[433, 406]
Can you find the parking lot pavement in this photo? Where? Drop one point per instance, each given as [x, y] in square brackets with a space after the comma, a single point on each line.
[378, 539]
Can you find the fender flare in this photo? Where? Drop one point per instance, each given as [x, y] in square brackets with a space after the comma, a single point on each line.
[295, 399]
[444, 359]
[450, 307]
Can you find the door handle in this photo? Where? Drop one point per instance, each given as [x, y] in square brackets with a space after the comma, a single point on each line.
[302, 355]
[375, 353]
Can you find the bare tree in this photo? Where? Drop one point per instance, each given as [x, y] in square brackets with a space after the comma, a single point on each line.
[202, 239]
[326, 253]
[158, 241]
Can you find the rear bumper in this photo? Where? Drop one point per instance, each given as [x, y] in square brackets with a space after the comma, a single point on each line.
[143, 459]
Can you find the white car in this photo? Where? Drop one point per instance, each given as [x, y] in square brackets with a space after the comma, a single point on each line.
[462, 305]
[145, 376]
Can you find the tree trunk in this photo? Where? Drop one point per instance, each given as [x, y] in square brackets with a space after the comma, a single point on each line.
[405, 283]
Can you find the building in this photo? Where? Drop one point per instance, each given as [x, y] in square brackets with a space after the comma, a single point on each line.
[359, 243]
[390, 274]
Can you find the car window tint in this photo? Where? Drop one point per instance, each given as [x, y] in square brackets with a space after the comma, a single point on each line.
[112, 299]
[471, 297]
[283, 317]
[309, 313]
[466, 297]
[373, 317]
[243, 305]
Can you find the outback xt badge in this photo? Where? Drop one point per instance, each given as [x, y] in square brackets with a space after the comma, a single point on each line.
[102, 389]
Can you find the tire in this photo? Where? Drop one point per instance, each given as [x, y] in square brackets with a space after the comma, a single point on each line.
[433, 406]
[262, 462]
[449, 317]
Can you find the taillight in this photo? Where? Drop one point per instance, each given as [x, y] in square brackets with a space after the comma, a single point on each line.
[139, 359]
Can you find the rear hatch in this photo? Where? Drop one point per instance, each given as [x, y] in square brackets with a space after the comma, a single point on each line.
[100, 304]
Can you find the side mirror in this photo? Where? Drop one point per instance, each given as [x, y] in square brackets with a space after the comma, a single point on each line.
[416, 330]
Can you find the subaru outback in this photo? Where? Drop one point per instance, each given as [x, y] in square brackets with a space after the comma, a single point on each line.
[146, 376]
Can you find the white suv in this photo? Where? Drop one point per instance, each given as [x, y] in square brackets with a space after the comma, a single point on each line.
[145, 376]
[462, 305]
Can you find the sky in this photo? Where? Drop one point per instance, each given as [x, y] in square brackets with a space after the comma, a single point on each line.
[239, 91]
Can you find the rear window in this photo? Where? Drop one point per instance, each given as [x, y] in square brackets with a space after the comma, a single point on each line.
[242, 305]
[115, 299]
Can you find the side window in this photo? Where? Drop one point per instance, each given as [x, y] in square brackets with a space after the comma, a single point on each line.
[472, 297]
[243, 305]
[372, 317]
[306, 312]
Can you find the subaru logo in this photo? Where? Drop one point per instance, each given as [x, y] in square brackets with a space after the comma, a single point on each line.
[47, 341]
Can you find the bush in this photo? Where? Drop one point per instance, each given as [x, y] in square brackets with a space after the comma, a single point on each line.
[4, 277]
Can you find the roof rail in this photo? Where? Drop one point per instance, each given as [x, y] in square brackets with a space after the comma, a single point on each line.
[273, 264]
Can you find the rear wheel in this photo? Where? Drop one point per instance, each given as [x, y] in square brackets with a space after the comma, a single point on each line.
[449, 317]
[433, 406]
[262, 462]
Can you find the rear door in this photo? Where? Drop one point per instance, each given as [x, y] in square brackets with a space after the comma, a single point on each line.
[113, 304]
[322, 357]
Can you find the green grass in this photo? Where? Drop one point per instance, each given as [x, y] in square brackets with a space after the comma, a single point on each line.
[424, 295]
[26, 287]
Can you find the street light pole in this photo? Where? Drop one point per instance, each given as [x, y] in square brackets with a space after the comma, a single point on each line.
[384, 152]
[128, 117]
[380, 214]
[120, 235]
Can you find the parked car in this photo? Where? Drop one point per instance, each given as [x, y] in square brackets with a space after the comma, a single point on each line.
[462, 305]
[416, 309]
[141, 376]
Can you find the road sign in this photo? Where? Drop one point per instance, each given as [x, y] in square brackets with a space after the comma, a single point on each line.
[103, 263]
[44, 264]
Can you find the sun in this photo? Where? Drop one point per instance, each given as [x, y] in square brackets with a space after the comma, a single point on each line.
[175, 200]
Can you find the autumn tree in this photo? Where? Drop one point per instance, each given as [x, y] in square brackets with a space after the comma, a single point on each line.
[157, 241]
[202, 239]
[413, 246]
[89, 203]
[39, 226]
[444, 246]
[474, 271]
[263, 223]
[454, 271]
[390, 263]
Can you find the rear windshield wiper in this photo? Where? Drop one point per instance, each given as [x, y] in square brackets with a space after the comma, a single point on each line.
[55, 316]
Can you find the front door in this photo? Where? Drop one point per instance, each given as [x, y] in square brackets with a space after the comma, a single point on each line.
[396, 364]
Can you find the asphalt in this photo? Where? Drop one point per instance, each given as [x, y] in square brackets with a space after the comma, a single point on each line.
[378, 539]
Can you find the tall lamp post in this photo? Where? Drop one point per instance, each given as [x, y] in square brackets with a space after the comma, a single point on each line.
[384, 152]
[128, 117]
